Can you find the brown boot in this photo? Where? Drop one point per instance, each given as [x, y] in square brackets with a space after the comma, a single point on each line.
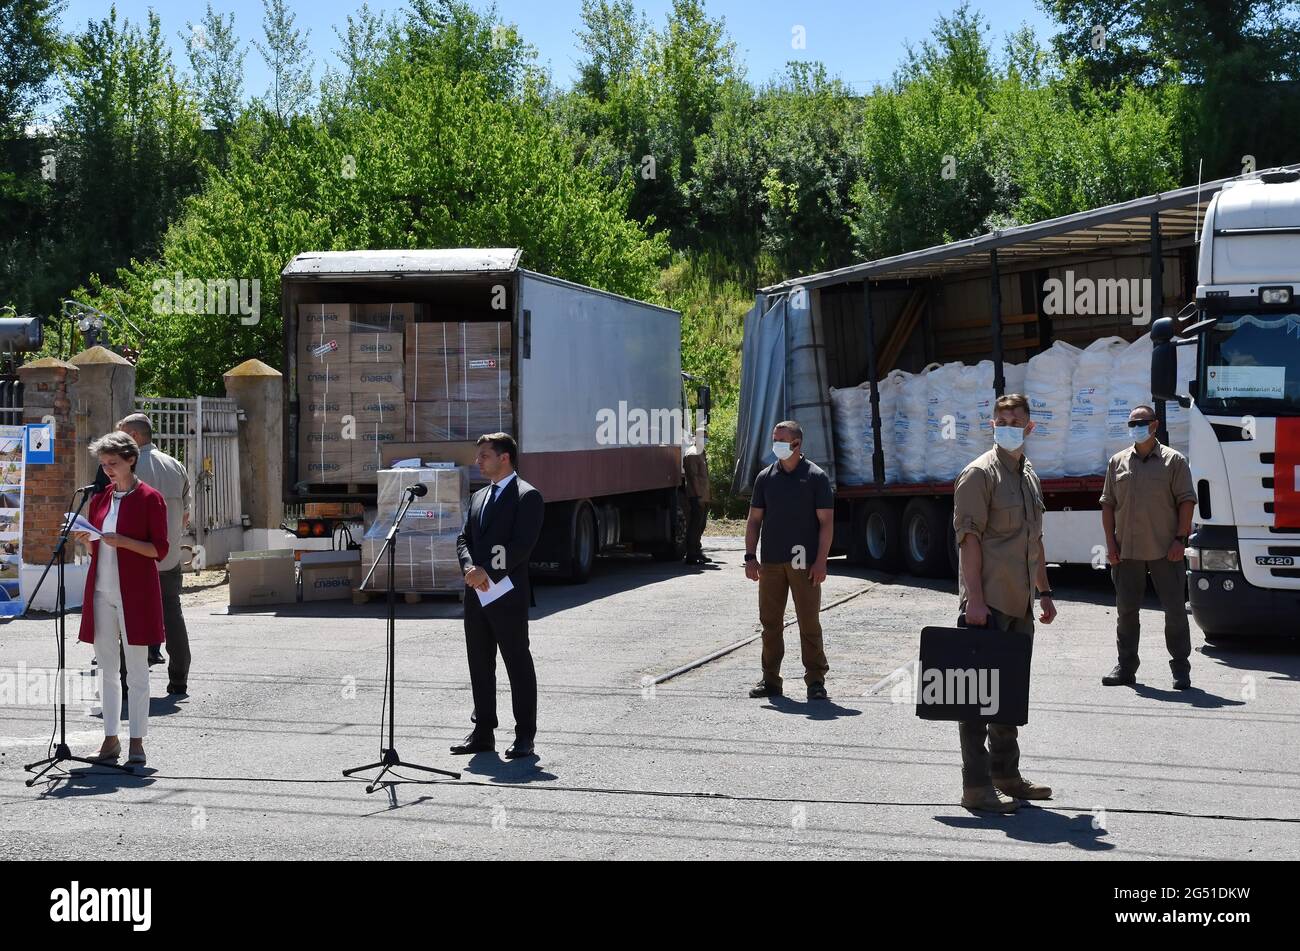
[987, 799]
[1022, 788]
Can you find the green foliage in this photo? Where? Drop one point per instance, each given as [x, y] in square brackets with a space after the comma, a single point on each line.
[437, 164]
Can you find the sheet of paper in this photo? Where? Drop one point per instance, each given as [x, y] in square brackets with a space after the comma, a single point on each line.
[1261, 383]
[495, 590]
[81, 525]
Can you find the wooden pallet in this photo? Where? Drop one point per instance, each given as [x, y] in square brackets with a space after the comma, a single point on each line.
[326, 489]
[409, 597]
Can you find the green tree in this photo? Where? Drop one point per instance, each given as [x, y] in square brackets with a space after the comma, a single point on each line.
[437, 164]
[285, 53]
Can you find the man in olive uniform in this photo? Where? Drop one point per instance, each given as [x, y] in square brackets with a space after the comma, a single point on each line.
[1146, 512]
[696, 468]
[998, 519]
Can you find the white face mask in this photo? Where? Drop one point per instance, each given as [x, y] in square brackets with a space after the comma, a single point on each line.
[782, 450]
[1009, 438]
[1141, 435]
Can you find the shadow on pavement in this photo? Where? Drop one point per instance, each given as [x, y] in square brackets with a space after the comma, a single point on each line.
[812, 709]
[1039, 826]
[1195, 697]
[1278, 654]
[95, 781]
[514, 771]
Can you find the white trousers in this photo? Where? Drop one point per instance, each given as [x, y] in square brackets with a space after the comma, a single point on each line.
[110, 630]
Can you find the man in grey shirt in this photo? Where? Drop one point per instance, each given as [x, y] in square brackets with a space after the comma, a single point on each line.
[169, 477]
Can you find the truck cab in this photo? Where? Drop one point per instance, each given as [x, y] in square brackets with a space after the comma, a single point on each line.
[1244, 555]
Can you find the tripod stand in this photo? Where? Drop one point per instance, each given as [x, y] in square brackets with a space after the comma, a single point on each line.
[62, 754]
[389, 756]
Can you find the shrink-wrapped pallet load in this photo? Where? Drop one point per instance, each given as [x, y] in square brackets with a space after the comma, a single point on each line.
[425, 555]
[849, 406]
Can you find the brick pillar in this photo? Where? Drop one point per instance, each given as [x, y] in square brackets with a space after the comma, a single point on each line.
[105, 393]
[258, 390]
[49, 390]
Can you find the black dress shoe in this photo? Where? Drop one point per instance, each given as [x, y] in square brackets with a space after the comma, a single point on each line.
[1183, 682]
[156, 657]
[475, 743]
[519, 749]
[1119, 677]
[177, 688]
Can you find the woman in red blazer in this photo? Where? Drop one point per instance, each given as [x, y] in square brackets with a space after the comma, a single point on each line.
[123, 599]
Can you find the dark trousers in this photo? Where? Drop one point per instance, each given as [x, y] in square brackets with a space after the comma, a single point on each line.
[980, 765]
[486, 630]
[696, 518]
[1169, 579]
[178, 637]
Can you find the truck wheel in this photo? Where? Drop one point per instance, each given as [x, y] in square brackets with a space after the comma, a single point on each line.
[584, 543]
[882, 531]
[924, 539]
[675, 548]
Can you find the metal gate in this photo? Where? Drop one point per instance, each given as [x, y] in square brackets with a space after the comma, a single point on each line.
[203, 433]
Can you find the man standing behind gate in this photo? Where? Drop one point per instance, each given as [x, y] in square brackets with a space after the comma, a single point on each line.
[160, 471]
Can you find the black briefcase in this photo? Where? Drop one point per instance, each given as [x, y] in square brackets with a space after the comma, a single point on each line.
[971, 673]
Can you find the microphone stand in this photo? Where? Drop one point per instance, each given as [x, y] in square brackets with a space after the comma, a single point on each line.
[62, 754]
[389, 757]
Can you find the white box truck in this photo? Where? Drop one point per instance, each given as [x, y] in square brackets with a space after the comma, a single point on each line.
[590, 385]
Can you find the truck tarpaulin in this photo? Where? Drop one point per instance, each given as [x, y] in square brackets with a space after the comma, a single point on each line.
[783, 376]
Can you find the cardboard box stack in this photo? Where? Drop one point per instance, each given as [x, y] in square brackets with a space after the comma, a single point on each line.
[350, 363]
[457, 382]
[324, 372]
[426, 545]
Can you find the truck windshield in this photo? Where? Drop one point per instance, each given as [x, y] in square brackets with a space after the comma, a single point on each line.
[1250, 363]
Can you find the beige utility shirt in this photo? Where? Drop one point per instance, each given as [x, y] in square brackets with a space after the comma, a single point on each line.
[160, 471]
[999, 500]
[1146, 494]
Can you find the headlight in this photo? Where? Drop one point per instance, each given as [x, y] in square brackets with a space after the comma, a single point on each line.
[1212, 559]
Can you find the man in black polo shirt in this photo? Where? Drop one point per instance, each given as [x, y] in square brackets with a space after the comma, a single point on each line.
[792, 506]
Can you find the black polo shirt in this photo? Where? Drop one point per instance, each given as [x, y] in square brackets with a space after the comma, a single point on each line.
[790, 501]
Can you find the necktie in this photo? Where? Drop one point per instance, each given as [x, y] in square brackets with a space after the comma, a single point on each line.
[482, 515]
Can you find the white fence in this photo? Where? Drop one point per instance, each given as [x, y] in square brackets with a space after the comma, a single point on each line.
[203, 434]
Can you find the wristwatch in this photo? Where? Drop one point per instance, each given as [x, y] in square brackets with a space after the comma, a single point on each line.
[750, 556]
[1181, 539]
[1045, 594]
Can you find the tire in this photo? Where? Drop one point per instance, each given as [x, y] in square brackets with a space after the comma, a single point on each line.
[675, 548]
[583, 539]
[882, 534]
[925, 540]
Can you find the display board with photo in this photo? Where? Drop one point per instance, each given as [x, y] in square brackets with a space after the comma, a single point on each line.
[12, 472]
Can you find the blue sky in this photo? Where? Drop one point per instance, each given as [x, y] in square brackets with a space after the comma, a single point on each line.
[860, 42]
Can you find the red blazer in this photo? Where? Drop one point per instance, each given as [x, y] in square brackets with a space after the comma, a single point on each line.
[142, 515]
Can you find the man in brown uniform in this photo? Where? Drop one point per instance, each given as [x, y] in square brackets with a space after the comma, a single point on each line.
[1146, 512]
[696, 468]
[998, 518]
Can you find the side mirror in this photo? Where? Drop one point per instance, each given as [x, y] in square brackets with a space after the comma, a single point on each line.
[704, 400]
[1164, 361]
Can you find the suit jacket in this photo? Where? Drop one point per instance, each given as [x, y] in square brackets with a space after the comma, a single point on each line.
[142, 515]
[504, 542]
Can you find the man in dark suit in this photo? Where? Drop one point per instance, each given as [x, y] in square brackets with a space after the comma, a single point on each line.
[500, 531]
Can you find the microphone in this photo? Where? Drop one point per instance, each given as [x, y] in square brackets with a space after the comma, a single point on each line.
[417, 490]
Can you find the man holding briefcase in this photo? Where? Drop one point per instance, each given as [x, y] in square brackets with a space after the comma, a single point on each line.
[998, 519]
